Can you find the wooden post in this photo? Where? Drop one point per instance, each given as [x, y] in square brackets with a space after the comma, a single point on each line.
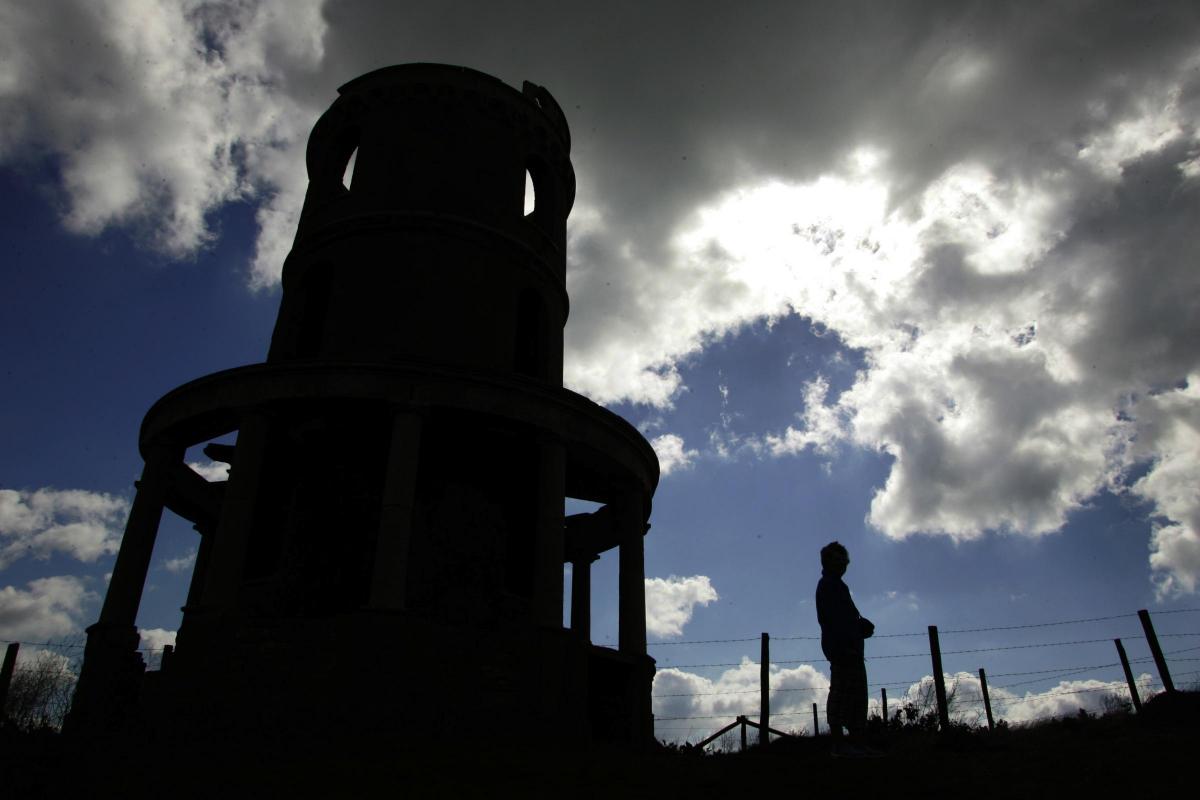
[883, 706]
[743, 721]
[167, 654]
[816, 722]
[6, 673]
[764, 709]
[1152, 639]
[939, 680]
[1133, 692]
[987, 700]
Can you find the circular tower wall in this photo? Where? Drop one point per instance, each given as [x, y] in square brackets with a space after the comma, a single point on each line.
[432, 208]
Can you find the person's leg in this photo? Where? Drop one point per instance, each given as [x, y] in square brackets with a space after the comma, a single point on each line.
[854, 703]
[835, 704]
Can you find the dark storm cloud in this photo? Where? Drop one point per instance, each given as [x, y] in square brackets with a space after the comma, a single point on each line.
[674, 101]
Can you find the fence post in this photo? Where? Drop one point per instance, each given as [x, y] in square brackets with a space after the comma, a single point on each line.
[6, 673]
[764, 709]
[743, 721]
[1133, 692]
[987, 700]
[816, 722]
[1152, 639]
[939, 680]
[883, 705]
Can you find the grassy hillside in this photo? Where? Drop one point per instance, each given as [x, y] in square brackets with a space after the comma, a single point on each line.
[1118, 755]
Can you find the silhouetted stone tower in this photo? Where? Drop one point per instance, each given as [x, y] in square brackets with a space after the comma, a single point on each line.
[387, 554]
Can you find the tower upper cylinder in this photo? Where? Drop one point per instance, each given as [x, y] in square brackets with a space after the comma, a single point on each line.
[414, 244]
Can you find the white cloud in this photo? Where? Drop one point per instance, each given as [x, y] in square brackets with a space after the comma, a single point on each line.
[84, 525]
[712, 704]
[160, 112]
[671, 601]
[47, 608]
[821, 429]
[909, 600]
[155, 638]
[671, 453]
[1065, 699]
[1169, 435]
[210, 470]
[181, 563]
[1007, 371]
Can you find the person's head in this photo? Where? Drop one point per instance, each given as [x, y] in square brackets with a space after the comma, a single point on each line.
[835, 558]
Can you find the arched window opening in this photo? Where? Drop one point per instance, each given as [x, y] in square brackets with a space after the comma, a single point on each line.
[539, 179]
[530, 194]
[348, 172]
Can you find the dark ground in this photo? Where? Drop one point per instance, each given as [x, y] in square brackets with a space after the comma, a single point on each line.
[1154, 755]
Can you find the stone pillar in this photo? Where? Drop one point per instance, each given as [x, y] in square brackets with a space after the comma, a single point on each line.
[137, 545]
[581, 597]
[110, 679]
[389, 577]
[550, 533]
[207, 532]
[228, 558]
[631, 528]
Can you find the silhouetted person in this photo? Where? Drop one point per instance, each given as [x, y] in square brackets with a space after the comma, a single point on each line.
[843, 630]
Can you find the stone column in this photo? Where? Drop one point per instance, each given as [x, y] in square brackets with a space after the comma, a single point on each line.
[228, 558]
[390, 573]
[550, 533]
[137, 545]
[207, 531]
[581, 597]
[110, 678]
[631, 528]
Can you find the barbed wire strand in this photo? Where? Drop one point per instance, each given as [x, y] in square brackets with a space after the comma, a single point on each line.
[940, 632]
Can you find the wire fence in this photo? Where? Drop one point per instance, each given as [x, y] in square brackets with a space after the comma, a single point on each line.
[711, 702]
[1091, 684]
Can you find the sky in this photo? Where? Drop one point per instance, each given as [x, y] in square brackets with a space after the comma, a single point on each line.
[918, 277]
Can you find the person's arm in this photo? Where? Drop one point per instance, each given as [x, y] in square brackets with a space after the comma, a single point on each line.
[865, 628]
